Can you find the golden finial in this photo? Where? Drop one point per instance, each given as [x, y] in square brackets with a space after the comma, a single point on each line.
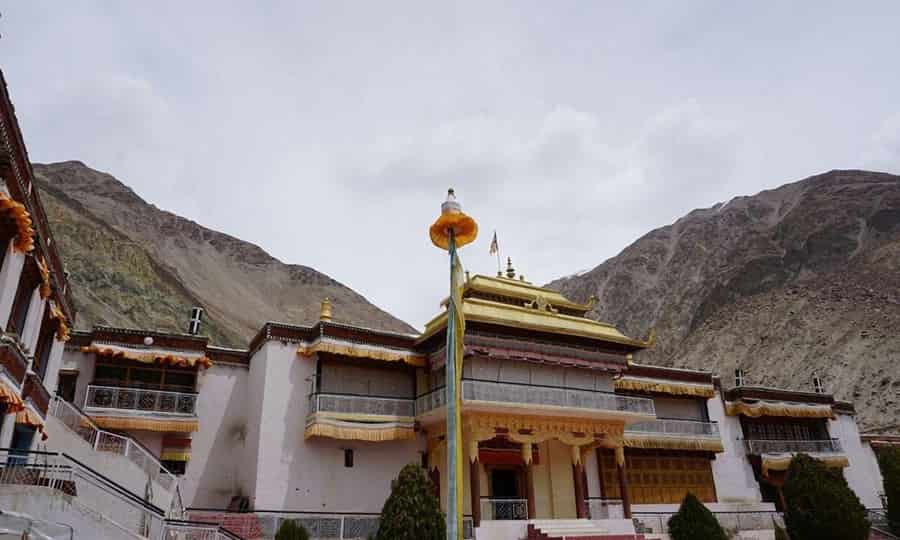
[325, 310]
[651, 339]
[510, 271]
[591, 302]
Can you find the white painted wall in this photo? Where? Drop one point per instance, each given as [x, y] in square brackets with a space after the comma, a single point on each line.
[297, 474]
[73, 359]
[9, 280]
[863, 474]
[732, 472]
[51, 377]
[33, 321]
[218, 449]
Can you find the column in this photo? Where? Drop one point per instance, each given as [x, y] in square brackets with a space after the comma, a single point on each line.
[33, 322]
[9, 280]
[6, 432]
[578, 476]
[623, 482]
[51, 378]
[475, 483]
[528, 458]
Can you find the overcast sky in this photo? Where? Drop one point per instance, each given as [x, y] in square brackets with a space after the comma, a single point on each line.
[328, 133]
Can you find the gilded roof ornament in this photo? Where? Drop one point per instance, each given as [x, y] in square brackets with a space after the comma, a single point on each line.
[325, 310]
[510, 271]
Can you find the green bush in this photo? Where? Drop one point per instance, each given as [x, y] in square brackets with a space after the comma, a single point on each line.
[694, 521]
[889, 461]
[291, 530]
[412, 512]
[820, 504]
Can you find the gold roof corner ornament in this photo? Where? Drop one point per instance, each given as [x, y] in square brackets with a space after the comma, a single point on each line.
[325, 310]
[452, 219]
[592, 301]
[540, 303]
[510, 271]
[629, 359]
[651, 339]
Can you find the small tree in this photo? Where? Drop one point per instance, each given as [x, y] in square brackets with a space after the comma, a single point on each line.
[889, 461]
[412, 512]
[694, 521]
[820, 503]
[291, 530]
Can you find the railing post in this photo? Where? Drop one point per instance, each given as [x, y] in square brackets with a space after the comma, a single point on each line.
[127, 446]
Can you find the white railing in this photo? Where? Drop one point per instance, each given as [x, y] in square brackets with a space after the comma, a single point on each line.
[24, 526]
[435, 399]
[676, 427]
[528, 394]
[658, 522]
[61, 473]
[140, 400]
[104, 441]
[355, 404]
[188, 530]
[606, 508]
[504, 509]
[760, 446]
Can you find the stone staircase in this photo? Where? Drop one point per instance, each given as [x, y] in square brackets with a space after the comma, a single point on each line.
[574, 529]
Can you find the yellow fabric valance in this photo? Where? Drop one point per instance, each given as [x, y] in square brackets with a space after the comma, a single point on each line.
[175, 455]
[781, 462]
[19, 214]
[45, 278]
[360, 432]
[361, 351]
[779, 408]
[147, 424]
[149, 356]
[11, 399]
[673, 443]
[674, 388]
[28, 417]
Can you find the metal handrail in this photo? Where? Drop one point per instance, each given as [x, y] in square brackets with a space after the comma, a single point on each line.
[773, 446]
[504, 509]
[673, 426]
[117, 397]
[361, 404]
[481, 390]
[105, 441]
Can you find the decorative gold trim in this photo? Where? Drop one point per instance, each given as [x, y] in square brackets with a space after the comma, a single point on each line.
[531, 430]
[175, 455]
[148, 356]
[782, 462]
[360, 351]
[780, 408]
[25, 232]
[62, 329]
[360, 433]
[11, 398]
[147, 424]
[45, 288]
[664, 387]
[672, 443]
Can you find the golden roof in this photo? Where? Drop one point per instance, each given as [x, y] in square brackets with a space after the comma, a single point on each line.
[519, 304]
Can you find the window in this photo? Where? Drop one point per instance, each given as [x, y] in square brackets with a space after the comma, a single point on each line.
[20, 309]
[23, 435]
[44, 345]
[348, 457]
[817, 385]
[122, 373]
[175, 467]
[65, 387]
[739, 377]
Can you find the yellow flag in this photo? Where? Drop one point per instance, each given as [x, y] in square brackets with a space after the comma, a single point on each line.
[458, 282]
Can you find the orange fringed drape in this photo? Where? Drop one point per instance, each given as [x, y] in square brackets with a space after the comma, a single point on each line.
[29, 418]
[147, 424]
[19, 214]
[62, 330]
[11, 399]
[148, 357]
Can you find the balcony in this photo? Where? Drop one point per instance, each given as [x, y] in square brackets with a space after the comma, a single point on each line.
[549, 400]
[35, 392]
[360, 417]
[336, 405]
[675, 428]
[140, 400]
[760, 447]
[13, 362]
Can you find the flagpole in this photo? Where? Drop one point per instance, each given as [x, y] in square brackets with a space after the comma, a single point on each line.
[450, 366]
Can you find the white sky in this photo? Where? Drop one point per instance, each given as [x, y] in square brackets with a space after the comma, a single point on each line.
[328, 133]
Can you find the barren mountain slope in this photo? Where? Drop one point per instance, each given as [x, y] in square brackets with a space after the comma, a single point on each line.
[136, 265]
[793, 281]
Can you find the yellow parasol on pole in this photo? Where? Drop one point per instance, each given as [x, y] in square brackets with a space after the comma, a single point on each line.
[452, 230]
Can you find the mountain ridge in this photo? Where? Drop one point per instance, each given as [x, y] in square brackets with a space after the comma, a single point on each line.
[178, 263]
[792, 280]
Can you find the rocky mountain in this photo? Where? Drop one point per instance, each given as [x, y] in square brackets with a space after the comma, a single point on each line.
[134, 265]
[795, 281]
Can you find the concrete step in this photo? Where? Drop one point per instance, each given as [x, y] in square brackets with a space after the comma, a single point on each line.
[574, 529]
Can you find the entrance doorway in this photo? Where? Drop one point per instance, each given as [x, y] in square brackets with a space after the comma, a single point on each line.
[507, 489]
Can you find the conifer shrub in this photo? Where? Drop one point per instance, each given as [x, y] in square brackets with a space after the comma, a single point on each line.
[889, 461]
[412, 511]
[694, 521]
[820, 503]
[291, 530]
